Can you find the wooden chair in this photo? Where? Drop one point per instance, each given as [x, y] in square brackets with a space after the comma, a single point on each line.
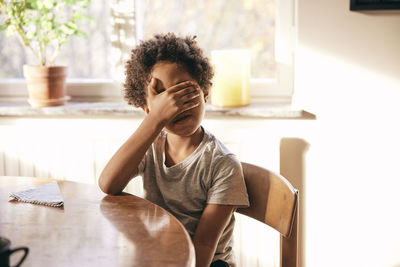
[273, 201]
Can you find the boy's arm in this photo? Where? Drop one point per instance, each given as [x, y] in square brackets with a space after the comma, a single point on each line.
[209, 230]
[165, 106]
[124, 163]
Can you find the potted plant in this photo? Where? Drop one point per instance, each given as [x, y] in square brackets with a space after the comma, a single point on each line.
[43, 27]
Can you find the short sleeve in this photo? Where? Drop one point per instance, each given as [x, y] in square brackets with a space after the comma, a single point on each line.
[142, 165]
[227, 184]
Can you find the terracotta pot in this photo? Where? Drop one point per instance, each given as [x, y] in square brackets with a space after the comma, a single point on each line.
[46, 85]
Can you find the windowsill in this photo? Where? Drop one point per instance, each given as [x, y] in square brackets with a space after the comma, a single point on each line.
[120, 109]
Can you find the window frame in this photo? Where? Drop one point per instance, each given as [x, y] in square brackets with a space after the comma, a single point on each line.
[280, 89]
[277, 90]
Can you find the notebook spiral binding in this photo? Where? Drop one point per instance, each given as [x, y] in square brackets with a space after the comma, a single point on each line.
[51, 204]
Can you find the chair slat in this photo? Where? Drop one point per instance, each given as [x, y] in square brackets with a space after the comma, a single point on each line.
[273, 201]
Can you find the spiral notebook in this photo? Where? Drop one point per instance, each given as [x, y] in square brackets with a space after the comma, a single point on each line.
[48, 194]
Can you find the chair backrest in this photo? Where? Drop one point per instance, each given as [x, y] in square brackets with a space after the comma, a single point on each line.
[273, 201]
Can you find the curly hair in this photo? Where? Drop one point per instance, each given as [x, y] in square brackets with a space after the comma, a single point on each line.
[164, 47]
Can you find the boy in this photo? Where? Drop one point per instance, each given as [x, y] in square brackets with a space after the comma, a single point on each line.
[185, 169]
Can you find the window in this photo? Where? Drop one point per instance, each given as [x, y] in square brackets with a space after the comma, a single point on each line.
[265, 27]
[248, 24]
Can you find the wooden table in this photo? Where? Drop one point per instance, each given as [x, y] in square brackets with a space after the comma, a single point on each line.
[92, 229]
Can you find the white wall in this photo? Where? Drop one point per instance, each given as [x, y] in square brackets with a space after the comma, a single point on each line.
[348, 74]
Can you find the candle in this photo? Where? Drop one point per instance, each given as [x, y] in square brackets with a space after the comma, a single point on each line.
[231, 86]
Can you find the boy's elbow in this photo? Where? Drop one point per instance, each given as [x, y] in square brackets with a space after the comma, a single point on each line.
[103, 186]
[112, 183]
[106, 187]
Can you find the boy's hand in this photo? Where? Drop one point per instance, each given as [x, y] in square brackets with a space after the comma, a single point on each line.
[173, 101]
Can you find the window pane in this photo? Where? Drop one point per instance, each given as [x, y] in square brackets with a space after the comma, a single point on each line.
[85, 57]
[218, 24]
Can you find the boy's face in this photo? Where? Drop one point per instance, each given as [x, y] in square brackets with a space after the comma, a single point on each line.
[169, 74]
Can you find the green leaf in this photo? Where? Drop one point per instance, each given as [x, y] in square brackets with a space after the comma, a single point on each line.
[49, 3]
[31, 34]
[87, 17]
[81, 33]
[77, 16]
[40, 5]
[31, 4]
[5, 25]
[47, 26]
[67, 30]
[72, 25]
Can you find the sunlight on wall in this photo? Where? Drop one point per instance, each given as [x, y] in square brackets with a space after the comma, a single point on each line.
[341, 84]
[353, 181]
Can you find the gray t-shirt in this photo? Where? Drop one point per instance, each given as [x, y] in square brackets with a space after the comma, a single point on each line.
[210, 175]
